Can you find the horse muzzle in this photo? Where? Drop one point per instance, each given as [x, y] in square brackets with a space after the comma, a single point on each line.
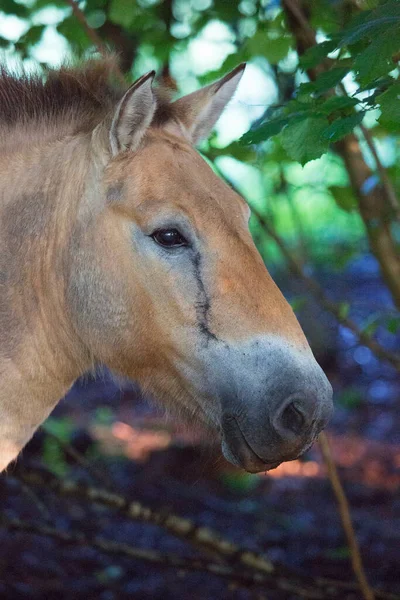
[272, 409]
[287, 433]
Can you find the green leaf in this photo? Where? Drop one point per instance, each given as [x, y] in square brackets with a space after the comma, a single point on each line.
[330, 79]
[123, 12]
[316, 54]
[378, 87]
[393, 325]
[298, 303]
[344, 308]
[350, 398]
[53, 457]
[325, 81]
[265, 131]
[324, 15]
[94, 4]
[273, 49]
[227, 11]
[39, 4]
[343, 126]
[303, 140]
[9, 7]
[369, 24]
[240, 482]
[344, 197]
[235, 149]
[337, 103]
[71, 29]
[231, 61]
[389, 103]
[277, 49]
[371, 327]
[33, 35]
[60, 427]
[376, 60]
[104, 415]
[368, 29]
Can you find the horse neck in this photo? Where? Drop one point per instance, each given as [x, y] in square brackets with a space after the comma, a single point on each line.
[41, 190]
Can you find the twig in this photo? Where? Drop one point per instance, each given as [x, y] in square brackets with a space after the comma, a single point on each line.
[97, 475]
[90, 32]
[202, 538]
[180, 527]
[373, 204]
[148, 555]
[40, 505]
[317, 291]
[386, 182]
[93, 35]
[244, 577]
[345, 516]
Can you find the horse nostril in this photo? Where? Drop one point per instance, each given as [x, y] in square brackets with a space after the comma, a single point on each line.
[293, 418]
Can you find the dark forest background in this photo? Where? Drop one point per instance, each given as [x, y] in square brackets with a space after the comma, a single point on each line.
[111, 499]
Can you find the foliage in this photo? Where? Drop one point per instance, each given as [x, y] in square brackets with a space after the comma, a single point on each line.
[365, 53]
[57, 431]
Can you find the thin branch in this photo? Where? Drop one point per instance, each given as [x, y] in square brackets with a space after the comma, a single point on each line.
[203, 538]
[385, 179]
[128, 551]
[97, 475]
[373, 205]
[330, 590]
[345, 516]
[316, 290]
[40, 505]
[180, 527]
[92, 34]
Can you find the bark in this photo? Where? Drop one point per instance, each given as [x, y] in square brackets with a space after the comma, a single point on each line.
[375, 204]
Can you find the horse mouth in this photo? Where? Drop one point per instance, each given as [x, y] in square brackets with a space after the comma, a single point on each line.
[237, 450]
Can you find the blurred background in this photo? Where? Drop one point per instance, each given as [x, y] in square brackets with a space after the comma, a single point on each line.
[326, 221]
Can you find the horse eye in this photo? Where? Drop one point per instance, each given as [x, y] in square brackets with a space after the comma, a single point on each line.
[169, 238]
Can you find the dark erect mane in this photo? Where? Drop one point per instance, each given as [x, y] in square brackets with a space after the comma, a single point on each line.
[76, 97]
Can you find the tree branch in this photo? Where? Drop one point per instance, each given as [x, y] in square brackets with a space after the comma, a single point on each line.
[312, 285]
[253, 561]
[345, 516]
[372, 203]
[373, 213]
[92, 35]
[90, 32]
[232, 574]
[203, 538]
[248, 575]
[316, 290]
[385, 179]
[126, 550]
[125, 44]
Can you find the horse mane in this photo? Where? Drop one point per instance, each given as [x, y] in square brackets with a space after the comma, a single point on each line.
[68, 100]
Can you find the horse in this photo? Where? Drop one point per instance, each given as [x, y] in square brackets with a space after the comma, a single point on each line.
[120, 246]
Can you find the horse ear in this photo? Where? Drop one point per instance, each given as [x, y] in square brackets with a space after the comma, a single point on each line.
[198, 112]
[133, 115]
